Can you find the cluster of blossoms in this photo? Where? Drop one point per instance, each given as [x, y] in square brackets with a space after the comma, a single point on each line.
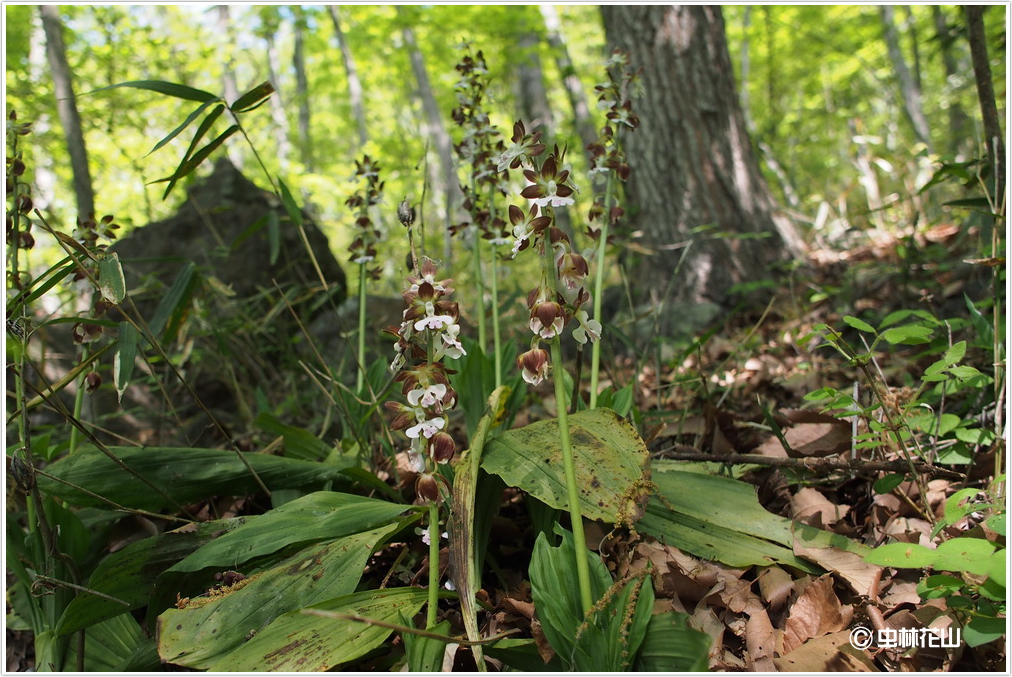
[367, 233]
[479, 149]
[555, 302]
[606, 155]
[19, 197]
[428, 333]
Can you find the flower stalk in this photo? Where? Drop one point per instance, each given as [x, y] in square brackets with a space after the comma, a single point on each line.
[363, 249]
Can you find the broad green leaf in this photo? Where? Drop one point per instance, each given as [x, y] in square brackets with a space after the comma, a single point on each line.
[304, 642]
[110, 644]
[671, 645]
[123, 360]
[965, 371]
[555, 594]
[908, 334]
[981, 630]
[985, 330]
[734, 529]
[185, 475]
[252, 98]
[130, 574]
[611, 464]
[965, 553]
[522, 655]
[996, 523]
[323, 515]
[957, 507]
[902, 555]
[111, 284]
[167, 88]
[299, 442]
[974, 435]
[860, 325]
[214, 633]
[996, 568]
[955, 353]
[885, 484]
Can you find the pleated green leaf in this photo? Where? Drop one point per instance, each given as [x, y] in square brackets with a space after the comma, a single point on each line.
[185, 475]
[214, 633]
[302, 642]
[611, 464]
[324, 515]
[129, 575]
[671, 645]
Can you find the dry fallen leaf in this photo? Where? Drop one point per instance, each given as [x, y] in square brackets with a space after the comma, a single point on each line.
[850, 566]
[760, 640]
[776, 585]
[831, 653]
[810, 507]
[817, 612]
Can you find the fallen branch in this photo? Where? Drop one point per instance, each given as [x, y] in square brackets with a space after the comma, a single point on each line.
[682, 452]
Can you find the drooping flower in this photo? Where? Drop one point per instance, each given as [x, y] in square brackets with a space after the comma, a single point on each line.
[534, 365]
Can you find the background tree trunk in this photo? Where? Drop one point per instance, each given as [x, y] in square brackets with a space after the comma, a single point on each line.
[958, 129]
[691, 159]
[66, 107]
[302, 90]
[355, 91]
[443, 176]
[574, 89]
[229, 84]
[910, 92]
[985, 93]
[270, 22]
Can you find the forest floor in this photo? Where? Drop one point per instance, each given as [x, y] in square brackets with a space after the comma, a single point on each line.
[717, 404]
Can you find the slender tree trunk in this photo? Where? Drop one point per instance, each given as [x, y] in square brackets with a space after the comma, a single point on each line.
[958, 122]
[228, 73]
[910, 93]
[910, 27]
[746, 23]
[443, 177]
[355, 90]
[692, 161]
[277, 105]
[66, 107]
[302, 90]
[988, 107]
[574, 88]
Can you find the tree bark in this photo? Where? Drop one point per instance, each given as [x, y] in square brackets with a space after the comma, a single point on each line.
[910, 93]
[988, 107]
[355, 90]
[692, 161]
[66, 107]
[302, 90]
[228, 74]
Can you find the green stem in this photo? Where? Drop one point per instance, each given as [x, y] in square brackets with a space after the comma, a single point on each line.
[361, 328]
[568, 462]
[430, 617]
[496, 340]
[480, 290]
[75, 433]
[595, 355]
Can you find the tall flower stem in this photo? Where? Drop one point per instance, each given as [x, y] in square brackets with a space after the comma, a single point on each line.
[479, 288]
[360, 382]
[496, 340]
[602, 245]
[75, 433]
[569, 464]
[568, 461]
[433, 607]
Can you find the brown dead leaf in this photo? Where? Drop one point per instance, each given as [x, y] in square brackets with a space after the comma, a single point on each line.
[776, 586]
[819, 439]
[760, 640]
[830, 653]
[810, 507]
[850, 566]
[817, 612]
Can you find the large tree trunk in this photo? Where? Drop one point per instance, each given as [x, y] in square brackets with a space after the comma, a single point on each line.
[958, 122]
[66, 107]
[277, 105]
[228, 81]
[355, 90]
[692, 162]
